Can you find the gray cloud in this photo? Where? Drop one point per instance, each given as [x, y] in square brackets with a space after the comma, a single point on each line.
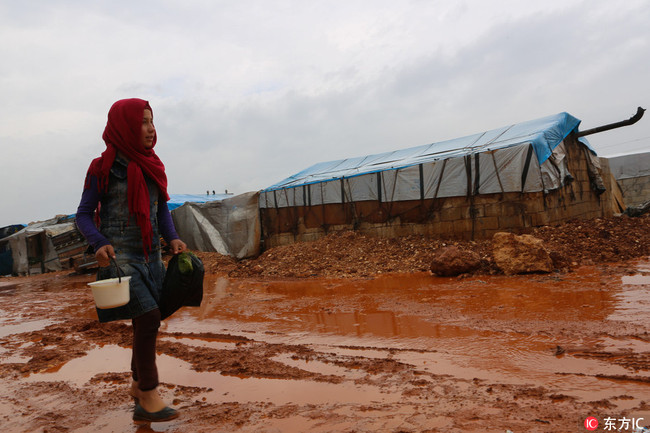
[245, 94]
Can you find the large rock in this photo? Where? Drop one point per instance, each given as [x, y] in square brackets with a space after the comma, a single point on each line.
[521, 254]
[451, 261]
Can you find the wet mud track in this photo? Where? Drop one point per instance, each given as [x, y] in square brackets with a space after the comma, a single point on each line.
[392, 353]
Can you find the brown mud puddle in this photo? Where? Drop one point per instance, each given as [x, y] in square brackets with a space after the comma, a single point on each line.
[395, 353]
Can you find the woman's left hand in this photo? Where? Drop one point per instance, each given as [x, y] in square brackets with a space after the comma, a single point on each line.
[177, 246]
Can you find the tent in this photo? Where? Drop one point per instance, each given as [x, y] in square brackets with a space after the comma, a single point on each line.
[44, 246]
[386, 188]
[632, 172]
[524, 157]
[229, 226]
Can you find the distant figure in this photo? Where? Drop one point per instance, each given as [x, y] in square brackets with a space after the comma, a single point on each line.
[207, 192]
[130, 183]
[226, 191]
[214, 193]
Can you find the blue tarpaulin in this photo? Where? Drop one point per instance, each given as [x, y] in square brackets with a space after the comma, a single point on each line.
[176, 200]
[543, 134]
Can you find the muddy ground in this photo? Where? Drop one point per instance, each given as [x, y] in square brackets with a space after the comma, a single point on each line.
[353, 334]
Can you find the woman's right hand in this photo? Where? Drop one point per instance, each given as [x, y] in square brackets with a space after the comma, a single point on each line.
[104, 255]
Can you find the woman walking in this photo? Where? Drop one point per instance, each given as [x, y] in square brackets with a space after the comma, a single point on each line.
[122, 213]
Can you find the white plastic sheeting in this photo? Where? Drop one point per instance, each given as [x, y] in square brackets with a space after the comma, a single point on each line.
[230, 226]
[525, 157]
[630, 166]
[497, 172]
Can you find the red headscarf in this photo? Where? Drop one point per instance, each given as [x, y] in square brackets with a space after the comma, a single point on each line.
[123, 133]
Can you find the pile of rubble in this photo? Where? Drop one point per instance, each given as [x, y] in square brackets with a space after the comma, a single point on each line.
[351, 254]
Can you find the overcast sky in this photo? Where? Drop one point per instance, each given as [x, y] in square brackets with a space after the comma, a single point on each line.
[248, 92]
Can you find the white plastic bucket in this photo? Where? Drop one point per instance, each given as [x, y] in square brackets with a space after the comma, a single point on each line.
[111, 293]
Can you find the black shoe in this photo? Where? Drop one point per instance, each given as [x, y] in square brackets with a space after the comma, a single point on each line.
[141, 415]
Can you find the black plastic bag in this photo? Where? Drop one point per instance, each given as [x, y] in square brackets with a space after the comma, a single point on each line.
[183, 284]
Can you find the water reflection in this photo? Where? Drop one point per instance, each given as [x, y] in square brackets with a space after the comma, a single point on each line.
[410, 305]
[387, 324]
[491, 328]
[633, 301]
[494, 327]
[219, 388]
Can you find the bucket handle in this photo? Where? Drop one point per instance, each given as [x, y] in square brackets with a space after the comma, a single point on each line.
[119, 279]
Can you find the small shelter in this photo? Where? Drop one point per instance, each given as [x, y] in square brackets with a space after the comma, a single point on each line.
[522, 175]
[229, 226]
[632, 172]
[45, 246]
